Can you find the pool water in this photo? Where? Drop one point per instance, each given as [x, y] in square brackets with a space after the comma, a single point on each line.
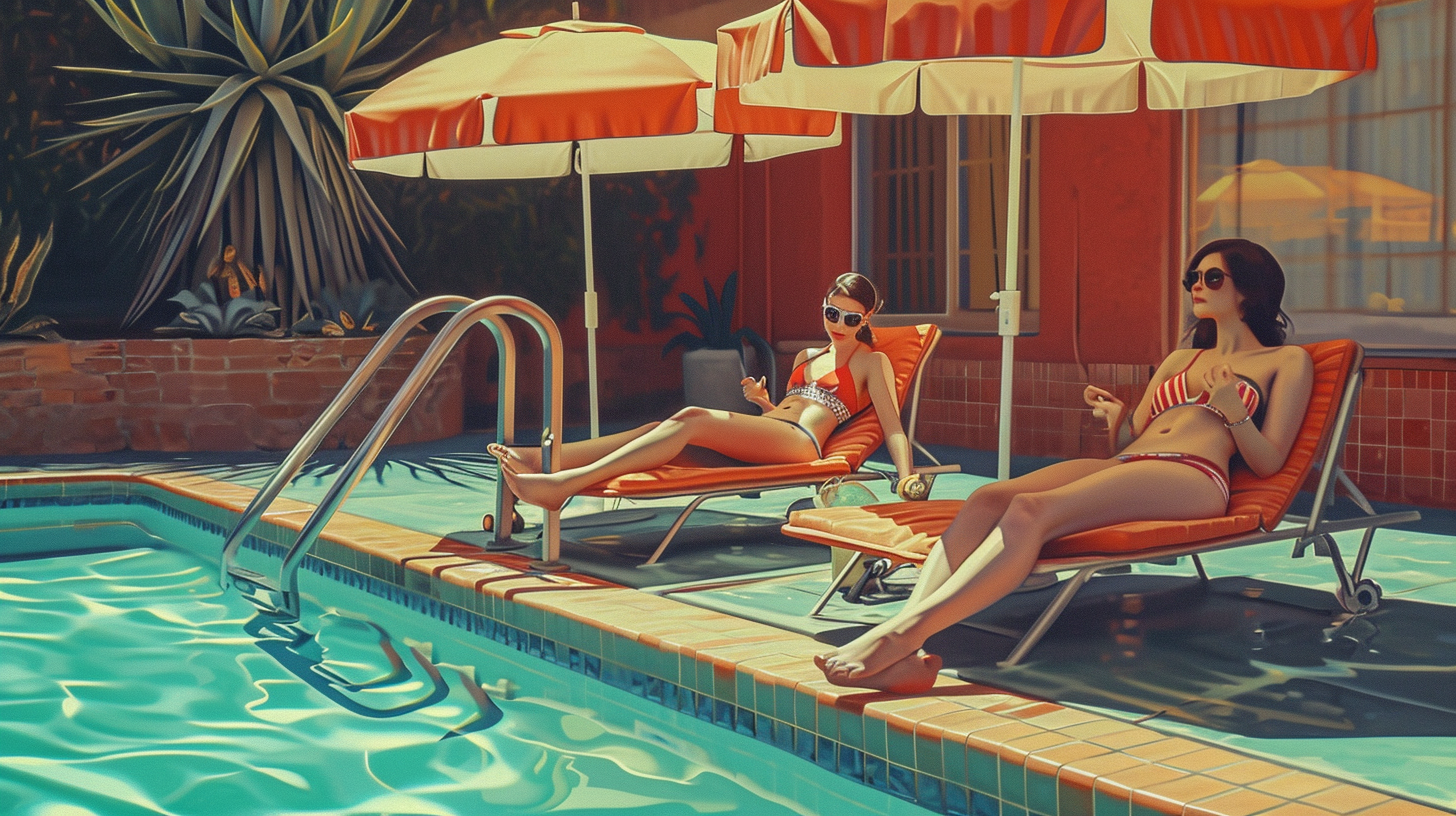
[135, 685]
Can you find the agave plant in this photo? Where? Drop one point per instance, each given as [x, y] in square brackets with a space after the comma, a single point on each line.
[205, 314]
[714, 322]
[17, 280]
[236, 137]
[358, 309]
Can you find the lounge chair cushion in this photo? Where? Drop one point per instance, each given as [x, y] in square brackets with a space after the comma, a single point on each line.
[907, 531]
[846, 449]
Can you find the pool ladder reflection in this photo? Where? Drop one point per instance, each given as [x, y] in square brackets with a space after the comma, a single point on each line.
[492, 313]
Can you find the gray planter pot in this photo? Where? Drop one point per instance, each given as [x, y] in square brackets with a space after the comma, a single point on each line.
[712, 378]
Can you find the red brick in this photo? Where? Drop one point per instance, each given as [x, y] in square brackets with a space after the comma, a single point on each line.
[176, 387]
[48, 357]
[12, 382]
[20, 398]
[95, 396]
[295, 386]
[103, 365]
[69, 380]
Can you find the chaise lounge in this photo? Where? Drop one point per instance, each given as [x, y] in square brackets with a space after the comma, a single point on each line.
[905, 532]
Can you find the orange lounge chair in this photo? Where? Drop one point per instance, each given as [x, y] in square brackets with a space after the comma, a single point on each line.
[905, 532]
[908, 347]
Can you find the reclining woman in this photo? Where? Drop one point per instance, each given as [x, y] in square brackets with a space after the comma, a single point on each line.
[1237, 391]
[826, 388]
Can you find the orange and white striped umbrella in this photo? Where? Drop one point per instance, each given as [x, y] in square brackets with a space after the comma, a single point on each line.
[955, 57]
[594, 97]
[1018, 57]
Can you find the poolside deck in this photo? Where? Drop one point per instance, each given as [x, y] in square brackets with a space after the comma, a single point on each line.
[722, 637]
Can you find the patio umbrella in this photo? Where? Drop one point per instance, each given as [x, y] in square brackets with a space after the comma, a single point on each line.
[589, 96]
[1282, 202]
[1019, 57]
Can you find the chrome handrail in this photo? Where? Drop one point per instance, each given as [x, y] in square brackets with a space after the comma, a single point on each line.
[386, 345]
[486, 311]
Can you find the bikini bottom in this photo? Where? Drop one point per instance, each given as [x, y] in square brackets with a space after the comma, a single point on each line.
[818, 449]
[1198, 463]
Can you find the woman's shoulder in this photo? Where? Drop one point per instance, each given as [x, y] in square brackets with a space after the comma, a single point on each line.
[1290, 355]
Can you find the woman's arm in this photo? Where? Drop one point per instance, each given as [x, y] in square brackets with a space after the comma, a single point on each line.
[879, 379]
[1123, 427]
[1264, 451]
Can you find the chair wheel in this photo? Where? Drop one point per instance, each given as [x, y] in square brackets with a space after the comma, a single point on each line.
[518, 524]
[1365, 598]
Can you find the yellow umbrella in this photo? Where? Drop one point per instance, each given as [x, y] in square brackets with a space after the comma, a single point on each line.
[1281, 202]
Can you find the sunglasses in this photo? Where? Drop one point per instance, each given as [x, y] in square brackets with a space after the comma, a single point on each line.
[833, 314]
[1212, 279]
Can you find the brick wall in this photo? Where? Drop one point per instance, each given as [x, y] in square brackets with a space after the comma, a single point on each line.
[205, 394]
[1399, 448]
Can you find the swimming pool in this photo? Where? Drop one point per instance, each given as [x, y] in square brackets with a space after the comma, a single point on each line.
[135, 685]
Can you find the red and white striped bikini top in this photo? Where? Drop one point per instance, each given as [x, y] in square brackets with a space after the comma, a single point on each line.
[1173, 392]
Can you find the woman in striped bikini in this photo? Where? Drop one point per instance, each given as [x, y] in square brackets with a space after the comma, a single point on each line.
[826, 388]
[1238, 391]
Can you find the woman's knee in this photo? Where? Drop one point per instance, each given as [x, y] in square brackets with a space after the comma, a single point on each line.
[1026, 514]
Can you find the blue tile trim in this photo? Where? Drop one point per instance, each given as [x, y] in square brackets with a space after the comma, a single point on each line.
[852, 761]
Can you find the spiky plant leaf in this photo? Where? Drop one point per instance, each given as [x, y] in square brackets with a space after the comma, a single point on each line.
[260, 163]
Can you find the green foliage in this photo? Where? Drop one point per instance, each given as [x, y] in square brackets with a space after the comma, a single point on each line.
[235, 134]
[205, 315]
[17, 280]
[713, 321]
[525, 238]
[360, 309]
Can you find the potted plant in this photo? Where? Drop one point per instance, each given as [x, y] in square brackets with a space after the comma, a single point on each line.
[715, 359]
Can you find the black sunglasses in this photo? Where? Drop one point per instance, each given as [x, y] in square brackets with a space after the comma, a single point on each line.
[1212, 279]
[834, 313]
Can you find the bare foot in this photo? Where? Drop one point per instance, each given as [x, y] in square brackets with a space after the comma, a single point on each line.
[870, 653]
[517, 460]
[913, 674]
[541, 489]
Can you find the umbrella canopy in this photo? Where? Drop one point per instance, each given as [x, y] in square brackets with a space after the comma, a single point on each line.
[1017, 57]
[590, 96]
[1282, 203]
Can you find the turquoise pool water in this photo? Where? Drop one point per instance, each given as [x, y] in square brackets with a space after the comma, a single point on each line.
[134, 685]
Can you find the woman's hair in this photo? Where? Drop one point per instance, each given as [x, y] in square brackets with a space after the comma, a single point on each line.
[858, 288]
[1259, 278]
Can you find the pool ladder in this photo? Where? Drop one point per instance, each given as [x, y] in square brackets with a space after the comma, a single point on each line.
[282, 594]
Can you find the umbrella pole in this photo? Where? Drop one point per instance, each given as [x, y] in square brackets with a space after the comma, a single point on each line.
[591, 289]
[1008, 300]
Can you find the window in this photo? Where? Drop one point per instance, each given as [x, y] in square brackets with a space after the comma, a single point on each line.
[931, 217]
[1351, 188]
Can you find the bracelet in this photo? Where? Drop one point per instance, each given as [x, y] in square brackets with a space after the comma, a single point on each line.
[1232, 425]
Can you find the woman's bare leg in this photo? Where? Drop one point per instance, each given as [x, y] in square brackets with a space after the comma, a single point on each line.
[755, 439]
[527, 458]
[980, 513]
[1147, 490]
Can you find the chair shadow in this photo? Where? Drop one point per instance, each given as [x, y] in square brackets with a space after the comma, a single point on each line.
[1239, 655]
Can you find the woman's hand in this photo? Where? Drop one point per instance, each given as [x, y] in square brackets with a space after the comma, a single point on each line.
[756, 392]
[1104, 405]
[1223, 394]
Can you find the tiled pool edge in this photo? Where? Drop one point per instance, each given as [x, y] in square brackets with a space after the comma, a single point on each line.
[960, 749]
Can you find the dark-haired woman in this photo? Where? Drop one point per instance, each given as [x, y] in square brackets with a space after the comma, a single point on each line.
[826, 388]
[1239, 390]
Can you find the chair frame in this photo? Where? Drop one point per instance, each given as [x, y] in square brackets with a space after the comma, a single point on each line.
[910, 409]
[1355, 593]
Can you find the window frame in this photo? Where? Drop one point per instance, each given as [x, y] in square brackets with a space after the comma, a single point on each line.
[954, 320]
